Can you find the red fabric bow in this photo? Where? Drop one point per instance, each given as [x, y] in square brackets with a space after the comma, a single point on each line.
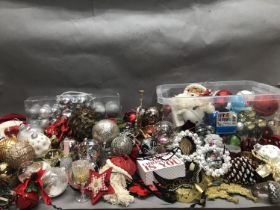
[59, 128]
[21, 188]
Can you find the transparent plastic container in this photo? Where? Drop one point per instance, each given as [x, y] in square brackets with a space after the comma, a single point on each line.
[250, 104]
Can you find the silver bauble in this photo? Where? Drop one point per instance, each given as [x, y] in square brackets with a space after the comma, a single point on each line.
[122, 145]
[240, 126]
[45, 111]
[55, 181]
[164, 128]
[44, 123]
[34, 111]
[99, 108]
[105, 131]
[112, 108]
[150, 116]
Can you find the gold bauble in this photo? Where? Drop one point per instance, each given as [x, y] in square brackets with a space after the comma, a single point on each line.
[19, 153]
[5, 145]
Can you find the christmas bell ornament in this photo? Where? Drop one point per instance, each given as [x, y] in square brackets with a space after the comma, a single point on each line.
[242, 172]
[122, 144]
[269, 190]
[19, 153]
[81, 122]
[104, 131]
[265, 105]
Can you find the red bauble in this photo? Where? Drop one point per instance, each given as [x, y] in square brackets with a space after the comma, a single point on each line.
[130, 117]
[221, 102]
[265, 105]
[27, 200]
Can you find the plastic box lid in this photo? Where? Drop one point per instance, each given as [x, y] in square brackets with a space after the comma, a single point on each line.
[166, 92]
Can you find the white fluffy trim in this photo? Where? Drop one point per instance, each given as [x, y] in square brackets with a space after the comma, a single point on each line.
[117, 169]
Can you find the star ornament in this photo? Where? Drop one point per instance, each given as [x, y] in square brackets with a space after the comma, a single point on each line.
[99, 185]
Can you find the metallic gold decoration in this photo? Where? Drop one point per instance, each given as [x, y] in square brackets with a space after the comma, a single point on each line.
[189, 195]
[187, 146]
[5, 145]
[19, 153]
[225, 191]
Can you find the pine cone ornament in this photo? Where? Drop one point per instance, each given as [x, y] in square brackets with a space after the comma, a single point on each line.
[242, 172]
[81, 122]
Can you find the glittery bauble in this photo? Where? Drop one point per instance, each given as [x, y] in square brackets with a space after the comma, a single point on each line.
[266, 105]
[221, 102]
[5, 145]
[164, 128]
[122, 145]
[104, 131]
[112, 108]
[151, 116]
[270, 189]
[81, 123]
[19, 153]
[163, 139]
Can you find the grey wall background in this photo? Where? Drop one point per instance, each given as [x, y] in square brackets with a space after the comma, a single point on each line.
[48, 46]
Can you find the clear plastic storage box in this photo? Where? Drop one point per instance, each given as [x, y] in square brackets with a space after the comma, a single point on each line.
[246, 108]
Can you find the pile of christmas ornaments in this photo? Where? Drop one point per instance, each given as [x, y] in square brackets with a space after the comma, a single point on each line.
[211, 149]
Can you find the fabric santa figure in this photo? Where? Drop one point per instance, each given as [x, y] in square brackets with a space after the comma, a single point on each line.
[123, 169]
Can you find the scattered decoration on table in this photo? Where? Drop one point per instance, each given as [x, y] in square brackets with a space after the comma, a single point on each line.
[269, 189]
[242, 172]
[225, 191]
[99, 185]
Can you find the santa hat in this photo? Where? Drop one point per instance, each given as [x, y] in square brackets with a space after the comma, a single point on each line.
[122, 164]
[196, 89]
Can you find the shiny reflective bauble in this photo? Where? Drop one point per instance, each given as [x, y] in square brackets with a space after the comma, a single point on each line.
[220, 102]
[163, 139]
[55, 181]
[148, 146]
[235, 140]
[34, 111]
[44, 123]
[112, 108]
[122, 144]
[265, 105]
[151, 116]
[99, 108]
[203, 129]
[104, 131]
[240, 126]
[45, 111]
[269, 190]
[164, 128]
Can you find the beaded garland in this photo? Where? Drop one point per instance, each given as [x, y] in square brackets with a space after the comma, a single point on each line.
[201, 153]
[178, 138]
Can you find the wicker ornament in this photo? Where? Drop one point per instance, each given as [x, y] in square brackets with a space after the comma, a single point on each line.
[19, 153]
[81, 122]
[242, 171]
[5, 145]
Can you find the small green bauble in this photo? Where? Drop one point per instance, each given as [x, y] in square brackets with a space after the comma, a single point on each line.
[235, 140]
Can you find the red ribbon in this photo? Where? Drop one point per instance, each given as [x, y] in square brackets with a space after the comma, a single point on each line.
[21, 189]
[59, 129]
